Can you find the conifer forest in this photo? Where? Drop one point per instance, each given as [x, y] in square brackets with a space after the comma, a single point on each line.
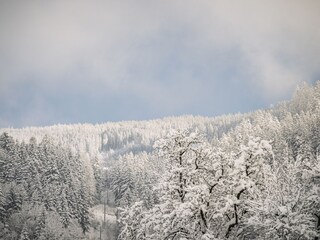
[242, 176]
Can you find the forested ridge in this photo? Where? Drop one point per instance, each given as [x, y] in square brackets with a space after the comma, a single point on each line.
[243, 176]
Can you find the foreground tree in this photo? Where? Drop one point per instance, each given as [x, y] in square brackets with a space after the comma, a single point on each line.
[181, 211]
[288, 206]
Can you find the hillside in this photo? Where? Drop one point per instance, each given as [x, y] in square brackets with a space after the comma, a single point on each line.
[117, 138]
[240, 176]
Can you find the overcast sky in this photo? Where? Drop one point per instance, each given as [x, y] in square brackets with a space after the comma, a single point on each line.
[97, 61]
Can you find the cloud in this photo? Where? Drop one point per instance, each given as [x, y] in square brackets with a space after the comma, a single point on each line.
[173, 56]
[277, 39]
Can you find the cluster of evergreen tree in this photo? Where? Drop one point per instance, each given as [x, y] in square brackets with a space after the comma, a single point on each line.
[260, 180]
[115, 139]
[248, 176]
[45, 191]
[132, 177]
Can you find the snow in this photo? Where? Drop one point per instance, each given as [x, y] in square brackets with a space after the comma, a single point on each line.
[98, 214]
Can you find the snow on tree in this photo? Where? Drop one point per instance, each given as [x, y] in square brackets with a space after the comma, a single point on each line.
[179, 213]
[287, 207]
[2, 205]
[225, 184]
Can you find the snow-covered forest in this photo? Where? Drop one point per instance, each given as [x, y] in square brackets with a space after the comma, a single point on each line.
[242, 176]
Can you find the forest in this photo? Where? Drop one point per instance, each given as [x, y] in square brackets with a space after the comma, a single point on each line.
[238, 176]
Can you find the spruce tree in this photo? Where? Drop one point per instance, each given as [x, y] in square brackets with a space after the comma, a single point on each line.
[2, 206]
[83, 209]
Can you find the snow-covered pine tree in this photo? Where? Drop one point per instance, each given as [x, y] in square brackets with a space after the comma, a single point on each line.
[24, 233]
[13, 200]
[7, 158]
[7, 143]
[2, 206]
[63, 207]
[83, 205]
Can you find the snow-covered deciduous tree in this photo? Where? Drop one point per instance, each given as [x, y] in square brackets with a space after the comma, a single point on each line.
[246, 172]
[203, 191]
[287, 206]
[226, 184]
[181, 209]
[130, 222]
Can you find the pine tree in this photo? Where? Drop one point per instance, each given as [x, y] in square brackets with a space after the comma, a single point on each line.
[24, 234]
[7, 143]
[63, 208]
[2, 206]
[5, 166]
[13, 200]
[40, 224]
[8, 166]
[83, 209]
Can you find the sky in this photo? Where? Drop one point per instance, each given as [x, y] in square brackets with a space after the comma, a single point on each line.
[97, 61]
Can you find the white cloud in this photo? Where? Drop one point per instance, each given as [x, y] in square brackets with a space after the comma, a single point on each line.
[129, 46]
[274, 37]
